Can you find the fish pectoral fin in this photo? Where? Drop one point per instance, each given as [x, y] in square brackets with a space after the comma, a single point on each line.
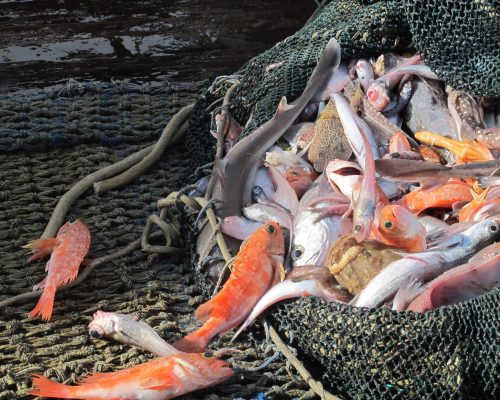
[202, 313]
[41, 248]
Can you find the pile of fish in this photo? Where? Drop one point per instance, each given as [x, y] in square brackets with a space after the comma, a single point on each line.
[376, 187]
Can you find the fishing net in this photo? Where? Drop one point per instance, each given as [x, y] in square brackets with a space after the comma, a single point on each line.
[366, 354]
[51, 139]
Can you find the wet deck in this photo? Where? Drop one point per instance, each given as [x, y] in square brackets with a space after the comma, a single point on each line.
[45, 42]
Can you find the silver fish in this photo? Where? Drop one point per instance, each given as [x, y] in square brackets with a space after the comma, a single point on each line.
[425, 266]
[312, 239]
[301, 282]
[128, 330]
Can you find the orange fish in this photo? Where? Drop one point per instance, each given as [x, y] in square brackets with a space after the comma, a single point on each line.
[68, 249]
[256, 268]
[471, 208]
[159, 379]
[398, 227]
[299, 179]
[443, 196]
[464, 150]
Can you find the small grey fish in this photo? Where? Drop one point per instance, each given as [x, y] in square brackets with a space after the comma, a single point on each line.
[128, 330]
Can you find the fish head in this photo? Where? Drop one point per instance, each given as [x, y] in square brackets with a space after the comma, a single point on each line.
[484, 231]
[299, 179]
[103, 325]
[70, 227]
[199, 370]
[270, 237]
[362, 228]
[378, 95]
[396, 220]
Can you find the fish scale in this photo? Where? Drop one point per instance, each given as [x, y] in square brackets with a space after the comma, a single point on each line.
[329, 141]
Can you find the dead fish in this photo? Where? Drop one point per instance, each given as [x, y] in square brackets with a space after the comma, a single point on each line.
[379, 91]
[267, 212]
[355, 264]
[129, 330]
[459, 284]
[365, 74]
[302, 281]
[312, 238]
[239, 227]
[425, 266]
[329, 141]
[427, 110]
[416, 171]
[237, 171]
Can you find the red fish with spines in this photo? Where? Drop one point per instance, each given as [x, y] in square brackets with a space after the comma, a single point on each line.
[256, 268]
[159, 379]
[398, 227]
[438, 196]
[67, 251]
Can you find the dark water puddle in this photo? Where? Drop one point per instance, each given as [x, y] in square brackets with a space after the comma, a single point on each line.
[45, 42]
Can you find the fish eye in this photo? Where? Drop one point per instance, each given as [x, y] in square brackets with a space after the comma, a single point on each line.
[293, 173]
[297, 253]
[395, 155]
[357, 228]
[95, 334]
[208, 354]
[493, 228]
[71, 219]
[388, 224]
[256, 190]
[271, 229]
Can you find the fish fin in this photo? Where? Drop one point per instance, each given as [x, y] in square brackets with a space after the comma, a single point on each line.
[45, 304]
[45, 387]
[40, 285]
[406, 294]
[192, 343]
[41, 248]
[202, 313]
[283, 105]
[448, 243]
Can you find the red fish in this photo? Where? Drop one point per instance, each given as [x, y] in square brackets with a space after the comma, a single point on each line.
[256, 269]
[441, 196]
[68, 249]
[400, 228]
[159, 379]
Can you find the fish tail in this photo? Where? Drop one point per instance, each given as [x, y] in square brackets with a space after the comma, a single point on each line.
[45, 304]
[195, 342]
[45, 387]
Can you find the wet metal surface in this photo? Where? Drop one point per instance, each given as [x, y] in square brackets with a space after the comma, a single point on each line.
[44, 42]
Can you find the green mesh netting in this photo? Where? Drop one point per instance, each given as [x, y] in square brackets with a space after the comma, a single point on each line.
[451, 353]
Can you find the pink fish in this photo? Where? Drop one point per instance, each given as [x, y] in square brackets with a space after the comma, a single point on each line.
[459, 284]
[159, 379]
[68, 249]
